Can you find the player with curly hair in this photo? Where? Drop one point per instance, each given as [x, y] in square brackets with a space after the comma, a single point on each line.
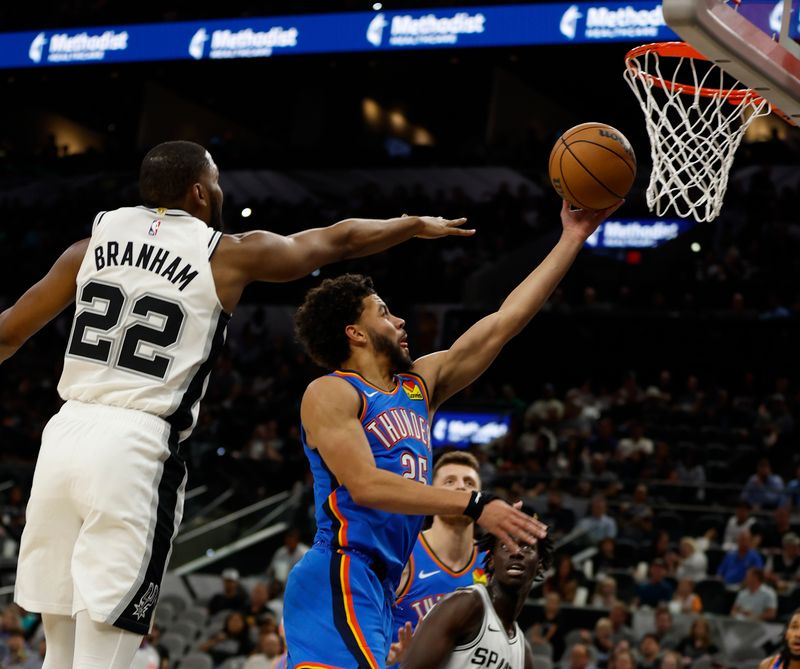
[789, 656]
[366, 433]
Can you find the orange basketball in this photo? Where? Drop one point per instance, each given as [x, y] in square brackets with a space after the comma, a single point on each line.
[592, 166]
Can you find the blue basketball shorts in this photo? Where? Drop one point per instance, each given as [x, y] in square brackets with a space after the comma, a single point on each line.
[337, 612]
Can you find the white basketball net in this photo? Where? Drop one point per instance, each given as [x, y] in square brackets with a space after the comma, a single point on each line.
[693, 137]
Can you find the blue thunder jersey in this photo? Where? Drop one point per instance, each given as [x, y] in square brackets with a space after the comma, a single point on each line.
[397, 428]
[430, 580]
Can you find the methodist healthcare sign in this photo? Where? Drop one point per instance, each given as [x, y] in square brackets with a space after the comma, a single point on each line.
[489, 26]
[625, 233]
[462, 428]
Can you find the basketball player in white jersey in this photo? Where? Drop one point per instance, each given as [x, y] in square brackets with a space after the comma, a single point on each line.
[477, 626]
[156, 285]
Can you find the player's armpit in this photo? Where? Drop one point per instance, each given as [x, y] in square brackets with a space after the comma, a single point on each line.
[454, 621]
[42, 302]
[329, 413]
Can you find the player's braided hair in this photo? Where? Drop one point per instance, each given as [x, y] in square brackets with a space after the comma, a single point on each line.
[544, 548]
[785, 652]
[325, 313]
[168, 172]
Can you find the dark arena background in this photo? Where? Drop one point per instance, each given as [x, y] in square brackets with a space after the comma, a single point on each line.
[658, 390]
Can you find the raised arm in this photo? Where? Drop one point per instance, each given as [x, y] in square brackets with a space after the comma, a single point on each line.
[42, 302]
[448, 372]
[453, 621]
[329, 412]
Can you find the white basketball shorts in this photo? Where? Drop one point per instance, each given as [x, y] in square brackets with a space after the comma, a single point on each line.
[106, 503]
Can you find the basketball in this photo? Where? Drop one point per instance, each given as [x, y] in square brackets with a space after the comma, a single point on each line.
[592, 166]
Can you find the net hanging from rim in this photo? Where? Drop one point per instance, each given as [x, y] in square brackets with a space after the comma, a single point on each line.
[696, 116]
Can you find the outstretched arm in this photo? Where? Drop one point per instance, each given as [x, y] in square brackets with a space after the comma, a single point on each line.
[42, 302]
[453, 621]
[448, 372]
[329, 413]
[265, 256]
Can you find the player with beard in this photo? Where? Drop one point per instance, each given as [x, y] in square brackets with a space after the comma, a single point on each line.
[156, 285]
[789, 657]
[365, 430]
[477, 626]
[445, 556]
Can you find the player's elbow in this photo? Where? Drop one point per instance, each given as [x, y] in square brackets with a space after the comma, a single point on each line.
[363, 490]
[361, 494]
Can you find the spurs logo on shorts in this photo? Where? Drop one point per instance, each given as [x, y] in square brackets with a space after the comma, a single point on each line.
[147, 600]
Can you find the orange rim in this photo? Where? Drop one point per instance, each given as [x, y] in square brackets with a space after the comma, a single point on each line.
[683, 50]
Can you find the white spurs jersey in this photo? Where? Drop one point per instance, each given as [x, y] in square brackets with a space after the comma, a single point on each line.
[492, 648]
[148, 323]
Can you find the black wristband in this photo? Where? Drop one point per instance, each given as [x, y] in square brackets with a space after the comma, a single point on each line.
[477, 501]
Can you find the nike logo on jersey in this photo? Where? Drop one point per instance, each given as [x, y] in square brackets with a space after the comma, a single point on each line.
[493, 629]
[427, 574]
[372, 394]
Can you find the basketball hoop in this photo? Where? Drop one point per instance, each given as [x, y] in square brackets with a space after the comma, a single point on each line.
[696, 117]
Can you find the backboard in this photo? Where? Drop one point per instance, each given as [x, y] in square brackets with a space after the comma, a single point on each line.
[757, 42]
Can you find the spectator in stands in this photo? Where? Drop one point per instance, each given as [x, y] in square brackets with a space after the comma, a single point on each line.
[736, 562]
[268, 648]
[287, 556]
[605, 592]
[579, 657]
[233, 596]
[147, 657]
[258, 609]
[690, 472]
[763, 490]
[636, 446]
[772, 534]
[783, 569]
[606, 558]
[618, 615]
[659, 549]
[685, 599]
[637, 515]
[559, 519]
[667, 635]
[18, 655]
[600, 477]
[621, 659]
[598, 525]
[649, 652]
[756, 600]
[698, 643]
[564, 580]
[693, 562]
[551, 629]
[604, 442]
[791, 493]
[657, 589]
[741, 520]
[233, 639]
[671, 660]
[603, 642]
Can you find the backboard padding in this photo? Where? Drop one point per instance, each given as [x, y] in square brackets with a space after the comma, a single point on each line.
[725, 37]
